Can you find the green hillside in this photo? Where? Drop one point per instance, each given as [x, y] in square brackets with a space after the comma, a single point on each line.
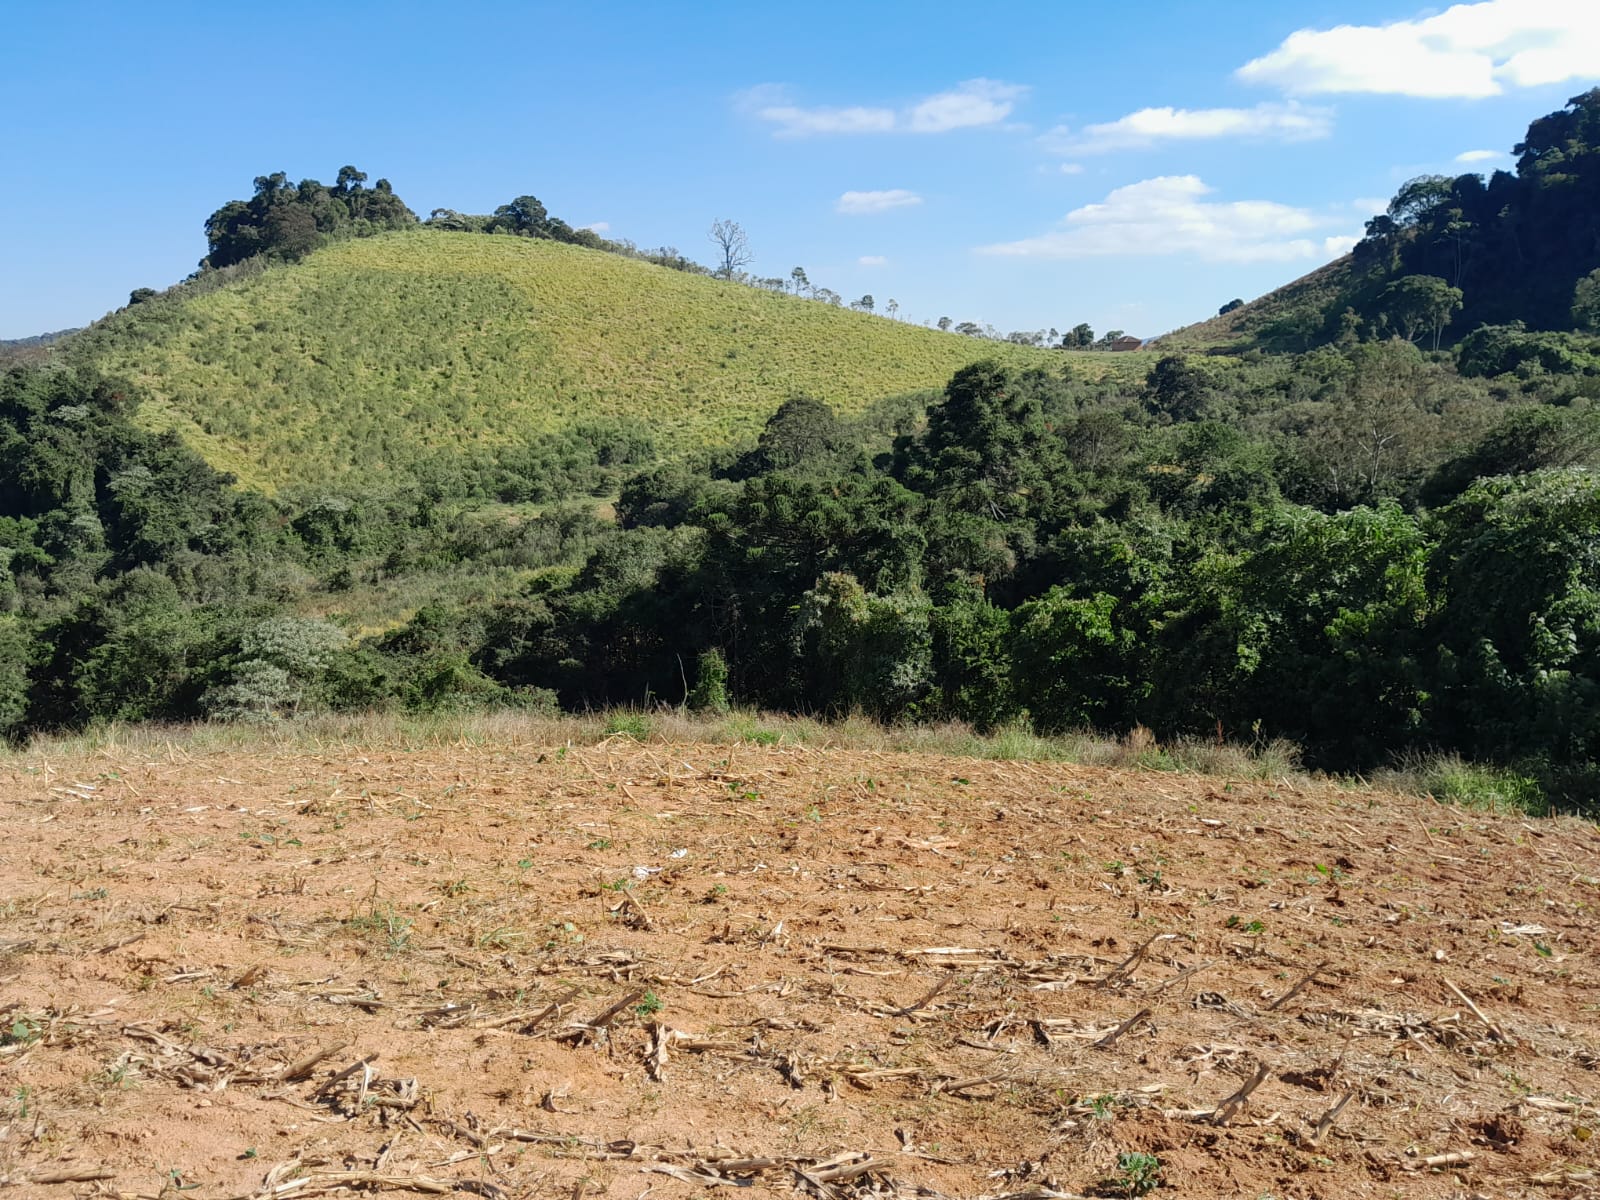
[1288, 318]
[1515, 251]
[372, 356]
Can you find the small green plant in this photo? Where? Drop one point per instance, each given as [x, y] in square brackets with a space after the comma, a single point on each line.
[385, 926]
[115, 1077]
[649, 1004]
[1138, 1173]
[24, 1031]
[597, 844]
[629, 724]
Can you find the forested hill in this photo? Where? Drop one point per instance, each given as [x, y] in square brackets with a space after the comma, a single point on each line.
[457, 356]
[1453, 254]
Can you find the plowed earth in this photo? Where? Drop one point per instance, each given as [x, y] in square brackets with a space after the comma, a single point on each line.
[623, 969]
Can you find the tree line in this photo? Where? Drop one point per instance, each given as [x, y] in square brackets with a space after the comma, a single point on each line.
[1361, 549]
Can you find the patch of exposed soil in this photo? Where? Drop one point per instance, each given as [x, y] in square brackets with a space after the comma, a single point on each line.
[625, 969]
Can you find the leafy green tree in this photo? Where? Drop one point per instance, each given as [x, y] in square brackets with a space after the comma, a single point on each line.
[1378, 432]
[861, 651]
[1079, 337]
[1586, 302]
[291, 231]
[288, 221]
[803, 432]
[1073, 665]
[1524, 440]
[524, 216]
[971, 663]
[1176, 390]
[133, 651]
[669, 495]
[1313, 633]
[1519, 633]
[1419, 197]
[16, 659]
[1420, 304]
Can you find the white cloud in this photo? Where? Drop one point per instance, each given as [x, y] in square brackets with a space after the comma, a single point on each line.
[1478, 156]
[1072, 168]
[1468, 50]
[1338, 245]
[1169, 215]
[859, 204]
[1370, 204]
[598, 227]
[804, 122]
[873, 260]
[969, 105]
[1291, 122]
[976, 103]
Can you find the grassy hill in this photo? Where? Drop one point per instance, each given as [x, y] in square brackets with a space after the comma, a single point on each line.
[1280, 320]
[372, 355]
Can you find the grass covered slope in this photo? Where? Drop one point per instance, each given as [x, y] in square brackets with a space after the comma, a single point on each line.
[1287, 318]
[380, 353]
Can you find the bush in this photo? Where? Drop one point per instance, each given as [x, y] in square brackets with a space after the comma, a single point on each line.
[1453, 780]
[710, 693]
[635, 725]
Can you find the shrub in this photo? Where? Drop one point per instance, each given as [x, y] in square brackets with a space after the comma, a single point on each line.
[710, 693]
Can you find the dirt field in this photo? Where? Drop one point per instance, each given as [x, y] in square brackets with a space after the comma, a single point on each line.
[626, 970]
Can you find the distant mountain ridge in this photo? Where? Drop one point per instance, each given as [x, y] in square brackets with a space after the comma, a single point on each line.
[38, 339]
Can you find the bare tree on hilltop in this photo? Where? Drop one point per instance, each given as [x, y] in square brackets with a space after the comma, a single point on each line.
[732, 246]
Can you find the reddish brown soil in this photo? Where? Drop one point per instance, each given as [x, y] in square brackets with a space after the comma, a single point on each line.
[991, 978]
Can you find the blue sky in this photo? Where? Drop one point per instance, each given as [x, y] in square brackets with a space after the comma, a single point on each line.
[1027, 165]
